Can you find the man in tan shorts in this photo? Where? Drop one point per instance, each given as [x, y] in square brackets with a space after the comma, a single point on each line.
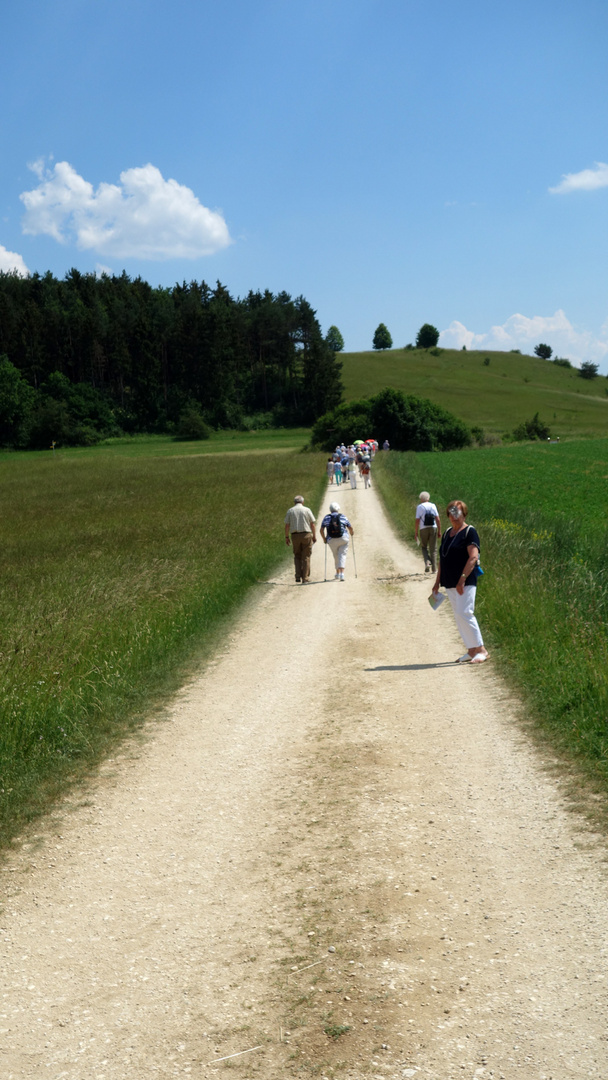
[301, 533]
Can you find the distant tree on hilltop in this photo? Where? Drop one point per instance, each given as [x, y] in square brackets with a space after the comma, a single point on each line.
[334, 339]
[428, 336]
[382, 338]
[544, 351]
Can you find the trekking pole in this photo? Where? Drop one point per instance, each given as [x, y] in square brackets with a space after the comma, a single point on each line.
[354, 560]
[325, 575]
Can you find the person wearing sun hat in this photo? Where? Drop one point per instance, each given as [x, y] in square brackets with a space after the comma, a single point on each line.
[428, 530]
[335, 528]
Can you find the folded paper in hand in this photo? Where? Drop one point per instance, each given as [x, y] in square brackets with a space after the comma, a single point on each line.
[436, 600]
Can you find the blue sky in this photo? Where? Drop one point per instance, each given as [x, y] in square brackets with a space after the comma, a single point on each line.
[396, 161]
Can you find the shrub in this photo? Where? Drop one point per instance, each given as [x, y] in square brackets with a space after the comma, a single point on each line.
[532, 429]
[348, 422]
[588, 370]
[191, 425]
[486, 362]
[409, 423]
[544, 351]
[561, 361]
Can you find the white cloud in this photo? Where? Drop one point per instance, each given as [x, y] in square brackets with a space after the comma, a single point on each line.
[521, 332]
[145, 217]
[11, 262]
[587, 180]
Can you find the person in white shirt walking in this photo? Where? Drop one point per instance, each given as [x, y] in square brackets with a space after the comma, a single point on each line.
[428, 530]
[301, 534]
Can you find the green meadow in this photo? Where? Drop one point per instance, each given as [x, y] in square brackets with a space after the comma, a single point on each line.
[495, 396]
[541, 511]
[120, 565]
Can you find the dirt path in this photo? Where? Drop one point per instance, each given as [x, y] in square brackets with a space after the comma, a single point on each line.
[336, 829]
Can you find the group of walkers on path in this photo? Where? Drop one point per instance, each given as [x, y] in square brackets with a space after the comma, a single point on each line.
[453, 557]
[350, 462]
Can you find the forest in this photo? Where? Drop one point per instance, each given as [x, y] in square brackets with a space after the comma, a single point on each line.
[92, 356]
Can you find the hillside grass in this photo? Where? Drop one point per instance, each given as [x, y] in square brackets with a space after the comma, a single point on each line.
[120, 566]
[541, 512]
[496, 397]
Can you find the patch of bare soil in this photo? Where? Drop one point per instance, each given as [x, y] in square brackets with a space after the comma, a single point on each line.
[339, 856]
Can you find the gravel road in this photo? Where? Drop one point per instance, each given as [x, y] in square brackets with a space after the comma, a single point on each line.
[337, 855]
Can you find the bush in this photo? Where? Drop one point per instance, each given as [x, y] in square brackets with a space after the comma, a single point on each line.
[348, 422]
[532, 429]
[561, 361]
[191, 425]
[544, 351]
[588, 370]
[409, 423]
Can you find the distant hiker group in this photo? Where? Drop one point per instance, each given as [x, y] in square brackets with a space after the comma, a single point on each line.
[352, 462]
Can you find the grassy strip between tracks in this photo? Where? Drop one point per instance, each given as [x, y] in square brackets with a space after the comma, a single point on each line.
[543, 601]
[118, 572]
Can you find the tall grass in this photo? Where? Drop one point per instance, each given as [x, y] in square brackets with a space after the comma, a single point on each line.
[543, 601]
[116, 572]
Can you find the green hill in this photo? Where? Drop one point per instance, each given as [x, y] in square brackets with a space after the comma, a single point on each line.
[495, 396]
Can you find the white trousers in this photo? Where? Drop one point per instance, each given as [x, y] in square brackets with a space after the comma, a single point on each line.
[464, 613]
[339, 549]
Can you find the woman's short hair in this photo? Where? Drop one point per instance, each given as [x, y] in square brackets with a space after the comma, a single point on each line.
[462, 505]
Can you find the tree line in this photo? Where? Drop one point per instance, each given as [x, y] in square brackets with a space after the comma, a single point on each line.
[90, 356]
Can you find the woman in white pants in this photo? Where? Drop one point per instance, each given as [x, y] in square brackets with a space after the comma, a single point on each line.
[335, 528]
[457, 572]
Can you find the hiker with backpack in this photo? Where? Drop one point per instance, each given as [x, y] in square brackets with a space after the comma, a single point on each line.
[365, 471]
[427, 530]
[335, 528]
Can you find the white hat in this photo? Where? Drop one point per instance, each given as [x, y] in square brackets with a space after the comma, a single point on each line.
[334, 508]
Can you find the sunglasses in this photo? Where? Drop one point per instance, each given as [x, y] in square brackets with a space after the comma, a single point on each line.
[454, 511]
